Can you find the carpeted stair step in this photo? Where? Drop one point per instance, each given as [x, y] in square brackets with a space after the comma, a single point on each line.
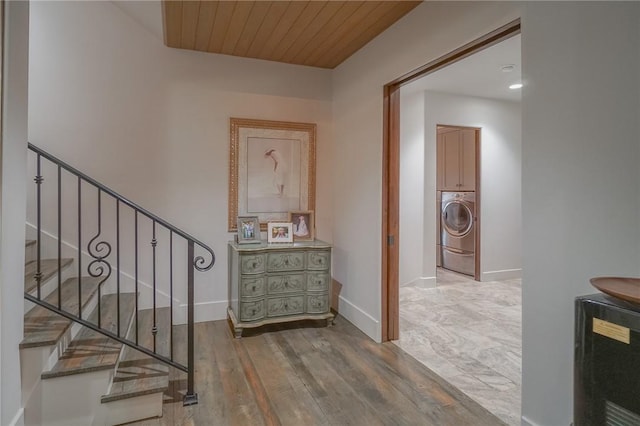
[43, 327]
[90, 350]
[48, 268]
[139, 374]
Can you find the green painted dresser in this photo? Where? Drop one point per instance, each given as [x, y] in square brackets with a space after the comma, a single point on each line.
[274, 283]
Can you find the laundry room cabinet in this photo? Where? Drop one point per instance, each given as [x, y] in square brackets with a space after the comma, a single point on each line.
[456, 154]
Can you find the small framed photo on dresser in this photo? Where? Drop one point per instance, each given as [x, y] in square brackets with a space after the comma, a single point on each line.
[248, 230]
[303, 225]
[279, 232]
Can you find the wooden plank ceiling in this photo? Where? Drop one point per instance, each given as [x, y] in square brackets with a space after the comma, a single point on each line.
[315, 33]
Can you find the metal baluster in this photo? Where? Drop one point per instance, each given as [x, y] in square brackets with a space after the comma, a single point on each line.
[171, 294]
[59, 237]
[80, 249]
[99, 230]
[38, 180]
[118, 261]
[154, 329]
[135, 222]
[190, 397]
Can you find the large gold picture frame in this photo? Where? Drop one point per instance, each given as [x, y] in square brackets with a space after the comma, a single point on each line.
[272, 169]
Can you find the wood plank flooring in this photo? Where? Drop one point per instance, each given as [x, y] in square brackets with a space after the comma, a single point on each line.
[312, 376]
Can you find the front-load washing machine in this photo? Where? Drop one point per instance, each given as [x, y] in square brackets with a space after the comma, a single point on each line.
[457, 221]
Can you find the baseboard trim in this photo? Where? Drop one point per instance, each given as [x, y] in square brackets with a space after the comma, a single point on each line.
[421, 282]
[527, 422]
[365, 322]
[505, 274]
[212, 310]
[18, 419]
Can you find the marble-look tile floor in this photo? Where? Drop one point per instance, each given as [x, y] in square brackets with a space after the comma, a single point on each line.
[469, 333]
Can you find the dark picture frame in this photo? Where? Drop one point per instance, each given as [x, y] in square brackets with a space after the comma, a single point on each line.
[304, 228]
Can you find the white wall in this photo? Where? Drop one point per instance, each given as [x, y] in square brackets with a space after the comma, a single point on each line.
[412, 191]
[14, 153]
[153, 123]
[581, 185]
[500, 177]
[428, 32]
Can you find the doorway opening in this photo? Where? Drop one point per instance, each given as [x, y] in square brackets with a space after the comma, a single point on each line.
[431, 235]
[391, 170]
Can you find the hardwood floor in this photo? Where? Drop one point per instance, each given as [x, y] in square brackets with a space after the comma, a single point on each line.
[313, 376]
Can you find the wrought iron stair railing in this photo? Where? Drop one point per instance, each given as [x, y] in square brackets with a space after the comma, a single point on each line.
[55, 207]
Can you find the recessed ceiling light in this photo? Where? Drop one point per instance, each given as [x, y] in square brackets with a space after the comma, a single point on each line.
[515, 86]
[508, 68]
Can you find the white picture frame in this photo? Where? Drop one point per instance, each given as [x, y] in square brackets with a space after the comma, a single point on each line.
[279, 232]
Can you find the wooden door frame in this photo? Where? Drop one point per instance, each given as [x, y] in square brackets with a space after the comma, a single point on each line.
[390, 307]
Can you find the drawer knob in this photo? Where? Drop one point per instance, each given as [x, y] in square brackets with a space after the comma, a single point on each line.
[253, 288]
[286, 283]
[286, 306]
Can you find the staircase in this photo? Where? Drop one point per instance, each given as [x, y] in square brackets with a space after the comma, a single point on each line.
[106, 315]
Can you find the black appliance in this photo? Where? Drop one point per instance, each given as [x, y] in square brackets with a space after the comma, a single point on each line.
[607, 362]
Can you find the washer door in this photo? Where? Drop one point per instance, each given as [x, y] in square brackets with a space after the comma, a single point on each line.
[457, 218]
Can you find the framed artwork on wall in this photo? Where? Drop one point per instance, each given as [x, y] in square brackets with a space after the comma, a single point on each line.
[272, 169]
[303, 225]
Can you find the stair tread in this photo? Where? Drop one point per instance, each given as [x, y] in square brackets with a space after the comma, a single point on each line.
[43, 327]
[48, 268]
[90, 350]
[139, 374]
[29, 243]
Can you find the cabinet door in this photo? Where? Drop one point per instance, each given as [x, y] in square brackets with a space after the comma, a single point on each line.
[450, 161]
[467, 160]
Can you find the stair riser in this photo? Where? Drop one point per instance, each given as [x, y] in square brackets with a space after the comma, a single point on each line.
[29, 252]
[32, 362]
[73, 400]
[130, 410]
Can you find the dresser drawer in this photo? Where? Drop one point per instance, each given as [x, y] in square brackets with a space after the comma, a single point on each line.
[318, 281]
[320, 260]
[285, 261]
[317, 304]
[252, 264]
[251, 286]
[251, 311]
[279, 306]
[285, 283]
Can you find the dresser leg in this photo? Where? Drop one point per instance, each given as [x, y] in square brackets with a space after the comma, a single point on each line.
[237, 331]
